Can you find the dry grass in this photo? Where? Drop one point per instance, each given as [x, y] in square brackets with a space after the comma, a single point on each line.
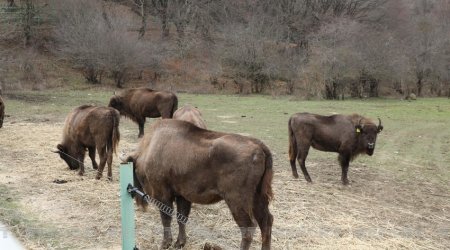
[378, 211]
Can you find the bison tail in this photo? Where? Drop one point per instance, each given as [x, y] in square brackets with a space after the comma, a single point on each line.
[174, 105]
[115, 138]
[293, 151]
[265, 185]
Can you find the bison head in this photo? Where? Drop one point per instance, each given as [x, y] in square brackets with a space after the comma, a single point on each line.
[71, 158]
[368, 135]
[116, 102]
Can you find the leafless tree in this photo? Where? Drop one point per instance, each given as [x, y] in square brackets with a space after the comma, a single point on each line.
[100, 41]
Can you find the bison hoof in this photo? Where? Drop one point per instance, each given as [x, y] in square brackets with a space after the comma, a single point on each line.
[180, 243]
[97, 177]
[80, 173]
[295, 175]
[166, 244]
[95, 167]
[109, 178]
[345, 182]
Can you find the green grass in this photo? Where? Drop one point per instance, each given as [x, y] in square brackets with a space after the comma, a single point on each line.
[415, 139]
[413, 149]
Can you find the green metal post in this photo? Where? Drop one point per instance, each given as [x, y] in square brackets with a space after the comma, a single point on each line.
[127, 207]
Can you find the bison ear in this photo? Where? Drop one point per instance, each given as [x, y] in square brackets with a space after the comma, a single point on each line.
[358, 129]
[126, 159]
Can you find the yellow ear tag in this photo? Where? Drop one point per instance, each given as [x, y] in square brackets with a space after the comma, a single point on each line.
[357, 130]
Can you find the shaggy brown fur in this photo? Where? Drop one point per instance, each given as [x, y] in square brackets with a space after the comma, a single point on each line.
[139, 103]
[349, 136]
[177, 161]
[190, 114]
[92, 128]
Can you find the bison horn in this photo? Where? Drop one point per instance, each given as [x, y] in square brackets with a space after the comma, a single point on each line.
[55, 151]
[359, 122]
[123, 158]
[380, 127]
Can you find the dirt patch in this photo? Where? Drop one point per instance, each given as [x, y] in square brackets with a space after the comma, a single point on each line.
[377, 211]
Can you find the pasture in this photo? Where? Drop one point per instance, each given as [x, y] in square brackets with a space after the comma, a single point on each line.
[398, 199]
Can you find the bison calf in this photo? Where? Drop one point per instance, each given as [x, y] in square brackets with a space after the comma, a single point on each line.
[348, 135]
[92, 128]
[139, 103]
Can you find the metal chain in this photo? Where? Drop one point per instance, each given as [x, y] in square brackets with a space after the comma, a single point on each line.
[161, 206]
[82, 163]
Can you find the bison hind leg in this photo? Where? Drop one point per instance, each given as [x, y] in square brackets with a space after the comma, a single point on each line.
[244, 221]
[294, 168]
[264, 219]
[302, 154]
[183, 209]
[92, 156]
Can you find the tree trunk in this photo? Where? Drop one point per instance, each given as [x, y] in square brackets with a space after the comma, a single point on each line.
[419, 86]
[11, 3]
[373, 87]
[143, 19]
[27, 22]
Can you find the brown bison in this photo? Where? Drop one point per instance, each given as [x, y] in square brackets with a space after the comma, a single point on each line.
[178, 161]
[139, 103]
[348, 135]
[190, 114]
[90, 127]
[2, 110]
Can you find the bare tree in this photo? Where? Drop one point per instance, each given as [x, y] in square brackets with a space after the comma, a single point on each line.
[11, 3]
[100, 41]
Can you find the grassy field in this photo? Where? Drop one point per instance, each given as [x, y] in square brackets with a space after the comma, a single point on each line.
[398, 198]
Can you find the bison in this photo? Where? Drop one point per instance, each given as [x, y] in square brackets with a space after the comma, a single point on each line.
[348, 135]
[190, 114]
[2, 110]
[178, 161]
[139, 103]
[92, 128]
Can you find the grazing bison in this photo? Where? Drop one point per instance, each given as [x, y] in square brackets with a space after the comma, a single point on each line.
[139, 103]
[190, 114]
[2, 110]
[93, 128]
[178, 161]
[349, 136]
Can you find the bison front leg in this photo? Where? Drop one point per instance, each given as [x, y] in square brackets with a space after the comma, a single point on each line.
[80, 166]
[92, 156]
[141, 123]
[344, 160]
[102, 156]
[183, 209]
